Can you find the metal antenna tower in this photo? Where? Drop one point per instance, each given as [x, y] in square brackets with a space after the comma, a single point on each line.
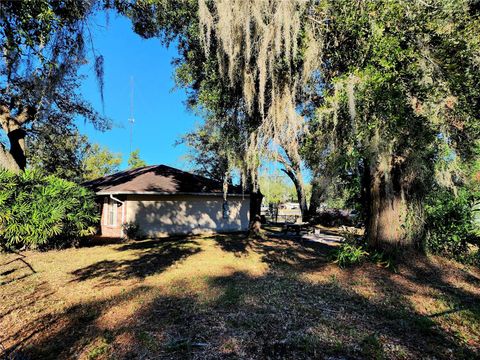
[131, 119]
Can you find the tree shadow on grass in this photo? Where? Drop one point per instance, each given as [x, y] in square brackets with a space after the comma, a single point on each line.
[290, 251]
[57, 336]
[153, 256]
[149, 257]
[277, 315]
[282, 314]
[238, 244]
[430, 277]
[297, 319]
[15, 270]
[42, 293]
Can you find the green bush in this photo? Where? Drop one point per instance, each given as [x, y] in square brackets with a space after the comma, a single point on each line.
[450, 229]
[349, 254]
[38, 211]
[132, 231]
[354, 251]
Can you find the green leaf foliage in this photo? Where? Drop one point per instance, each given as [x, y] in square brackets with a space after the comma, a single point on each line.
[44, 43]
[391, 106]
[349, 254]
[38, 211]
[100, 161]
[450, 227]
[276, 189]
[135, 161]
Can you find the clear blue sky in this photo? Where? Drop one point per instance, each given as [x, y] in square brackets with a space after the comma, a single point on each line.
[160, 114]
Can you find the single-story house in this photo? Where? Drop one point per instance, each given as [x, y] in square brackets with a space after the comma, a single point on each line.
[166, 201]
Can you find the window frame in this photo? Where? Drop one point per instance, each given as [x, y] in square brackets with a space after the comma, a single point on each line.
[225, 210]
[112, 210]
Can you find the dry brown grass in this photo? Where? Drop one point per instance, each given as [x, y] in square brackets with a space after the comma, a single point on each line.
[230, 297]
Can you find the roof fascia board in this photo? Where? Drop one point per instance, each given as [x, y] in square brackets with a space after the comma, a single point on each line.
[164, 193]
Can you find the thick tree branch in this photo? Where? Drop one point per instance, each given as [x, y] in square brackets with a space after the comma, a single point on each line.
[26, 114]
[285, 163]
[15, 158]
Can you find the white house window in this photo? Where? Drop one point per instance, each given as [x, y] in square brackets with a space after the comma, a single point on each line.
[226, 210]
[112, 213]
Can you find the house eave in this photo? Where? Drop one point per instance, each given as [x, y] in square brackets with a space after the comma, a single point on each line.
[102, 193]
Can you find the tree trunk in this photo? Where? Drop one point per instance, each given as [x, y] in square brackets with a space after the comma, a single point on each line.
[17, 147]
[297, 180]
[7, 162]
[293, 170]
[314, 200]
[256, 198]
[318, 190]
[365, 191]
[386, 209]
[302, 198]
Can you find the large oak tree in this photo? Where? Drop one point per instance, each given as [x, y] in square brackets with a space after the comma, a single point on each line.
[401, 104]
[393, 85]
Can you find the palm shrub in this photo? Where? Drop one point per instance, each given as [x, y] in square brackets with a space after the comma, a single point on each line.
[38, 211]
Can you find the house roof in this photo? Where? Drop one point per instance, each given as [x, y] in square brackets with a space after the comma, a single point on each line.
[158, 179]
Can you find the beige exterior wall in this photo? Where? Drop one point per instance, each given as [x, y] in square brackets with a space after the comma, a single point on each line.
[159, 215]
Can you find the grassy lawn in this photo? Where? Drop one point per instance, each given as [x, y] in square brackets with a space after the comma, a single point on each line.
[226, 296]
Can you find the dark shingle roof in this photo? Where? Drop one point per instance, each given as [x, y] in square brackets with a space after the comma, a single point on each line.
[158, 179]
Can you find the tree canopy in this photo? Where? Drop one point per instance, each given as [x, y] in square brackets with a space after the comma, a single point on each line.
[276, 189]
[43, 44]
[379, 94]
[100, 161]
[134, 160]
[400, 106]
[60, 155]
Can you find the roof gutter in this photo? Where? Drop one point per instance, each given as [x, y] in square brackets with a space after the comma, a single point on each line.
[118, 200]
